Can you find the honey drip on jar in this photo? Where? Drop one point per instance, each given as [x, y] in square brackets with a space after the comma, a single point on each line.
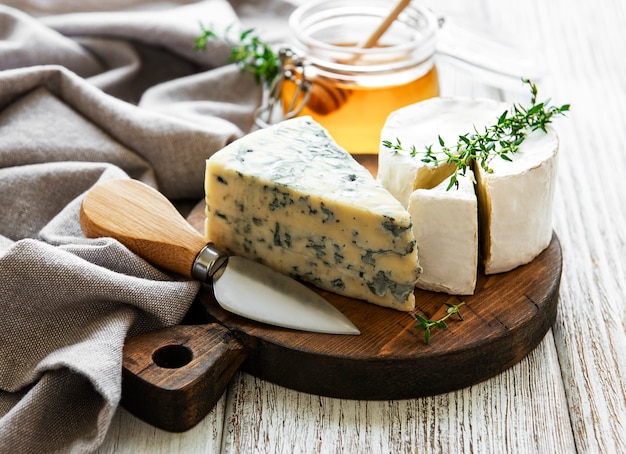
[353, 84]
[354, 115]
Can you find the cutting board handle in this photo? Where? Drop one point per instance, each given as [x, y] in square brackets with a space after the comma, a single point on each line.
[173, 377]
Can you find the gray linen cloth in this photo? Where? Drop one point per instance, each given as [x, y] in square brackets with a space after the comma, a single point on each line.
[86, 97]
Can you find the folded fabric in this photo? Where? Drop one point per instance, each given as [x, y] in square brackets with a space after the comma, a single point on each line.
[86, 97]
[50, 114]
[123, 53]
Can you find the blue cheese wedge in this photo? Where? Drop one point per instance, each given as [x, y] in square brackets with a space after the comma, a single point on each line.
[447, 236]
[289, 197]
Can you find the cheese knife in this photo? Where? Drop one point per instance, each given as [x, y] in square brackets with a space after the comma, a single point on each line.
[146, 222]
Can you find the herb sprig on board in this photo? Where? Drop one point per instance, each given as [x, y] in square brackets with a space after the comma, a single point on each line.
[427, 325]
[249, 52]
[501, 139]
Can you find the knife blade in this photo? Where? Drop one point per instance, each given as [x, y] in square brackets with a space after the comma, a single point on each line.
[147, 223]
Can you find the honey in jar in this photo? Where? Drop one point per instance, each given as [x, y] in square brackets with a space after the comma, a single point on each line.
[354, 89]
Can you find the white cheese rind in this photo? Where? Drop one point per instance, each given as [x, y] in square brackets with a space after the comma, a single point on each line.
[420, 125]
[447, 236]
[516, 203]
[290, 197]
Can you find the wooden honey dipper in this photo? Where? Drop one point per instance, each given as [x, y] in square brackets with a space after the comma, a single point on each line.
[325, 97]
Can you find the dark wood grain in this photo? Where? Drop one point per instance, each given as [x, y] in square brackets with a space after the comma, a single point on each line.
[505, 319]
[173, 377]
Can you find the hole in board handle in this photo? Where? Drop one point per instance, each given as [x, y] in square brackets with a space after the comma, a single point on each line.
[172, 356]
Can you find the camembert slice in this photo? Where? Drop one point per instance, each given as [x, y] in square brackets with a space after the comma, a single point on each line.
[515, 203]
[447, 236]
[290, 197]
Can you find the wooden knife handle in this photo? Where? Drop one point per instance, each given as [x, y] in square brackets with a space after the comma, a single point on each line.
[173, 377]
[144, 221]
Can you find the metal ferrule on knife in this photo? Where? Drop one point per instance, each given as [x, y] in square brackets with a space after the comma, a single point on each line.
[208, 262]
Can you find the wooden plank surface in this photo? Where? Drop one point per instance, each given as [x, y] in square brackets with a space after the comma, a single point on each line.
[521, 410]
[568, 395]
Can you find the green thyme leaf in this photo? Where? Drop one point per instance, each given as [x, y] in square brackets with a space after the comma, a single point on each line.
[501, 139]
[249, 52]
[427, 324]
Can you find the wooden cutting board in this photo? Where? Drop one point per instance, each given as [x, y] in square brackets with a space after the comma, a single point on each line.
[173, 377]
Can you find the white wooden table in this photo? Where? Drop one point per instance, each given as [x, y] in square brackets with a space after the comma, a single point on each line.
[568, 395]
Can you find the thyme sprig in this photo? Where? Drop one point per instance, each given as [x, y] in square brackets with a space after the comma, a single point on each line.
[249, 52]
[427, 325]
[501, 139]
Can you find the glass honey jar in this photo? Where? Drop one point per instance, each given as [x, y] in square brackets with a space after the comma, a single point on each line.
[351, 89]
